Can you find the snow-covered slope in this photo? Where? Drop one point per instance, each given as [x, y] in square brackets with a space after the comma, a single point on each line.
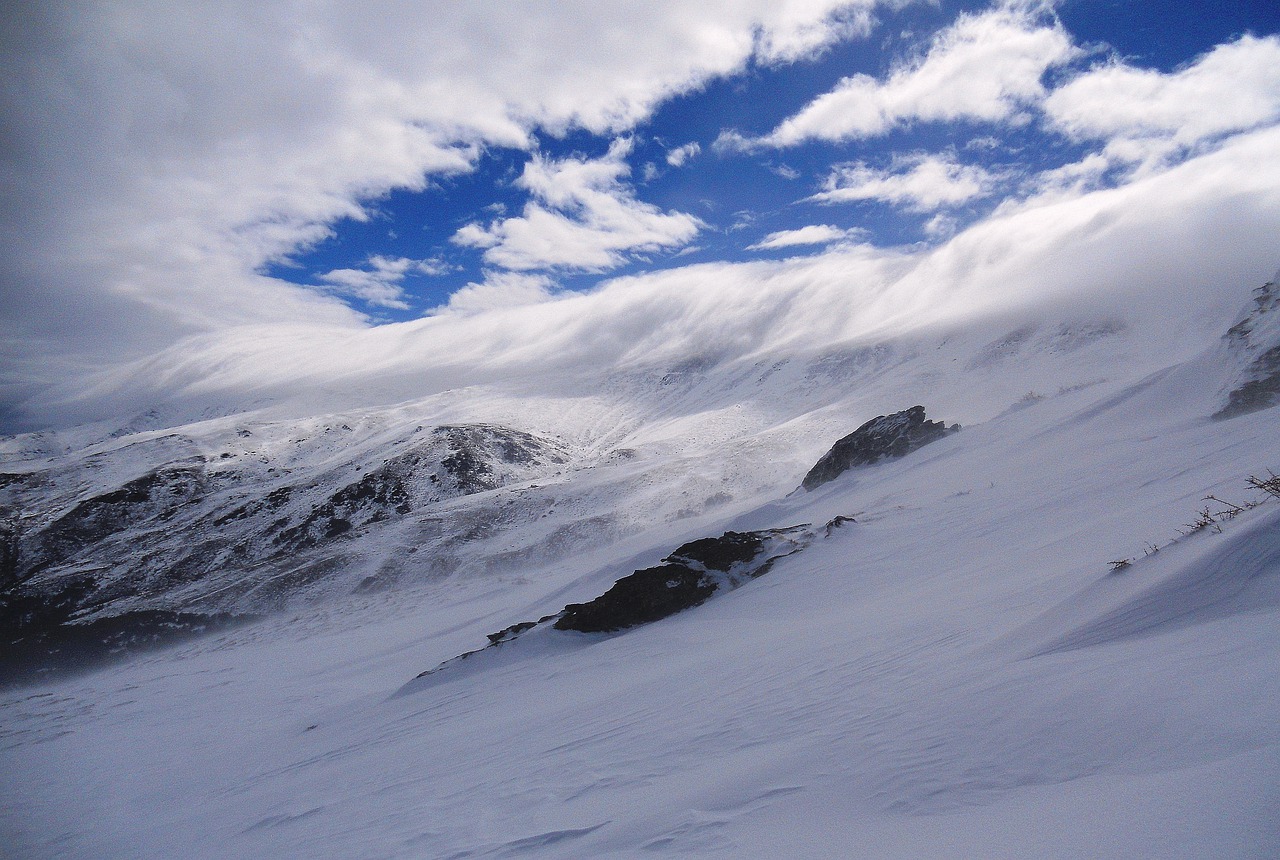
[261, 509]
[959, 672]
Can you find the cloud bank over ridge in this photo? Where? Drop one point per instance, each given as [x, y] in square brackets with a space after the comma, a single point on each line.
[1152, 252]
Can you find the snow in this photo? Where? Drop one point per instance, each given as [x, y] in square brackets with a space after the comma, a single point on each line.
[956, 674]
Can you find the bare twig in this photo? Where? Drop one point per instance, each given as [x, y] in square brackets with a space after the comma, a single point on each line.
[1204, 520]
[1269, 485]
[1232, 508]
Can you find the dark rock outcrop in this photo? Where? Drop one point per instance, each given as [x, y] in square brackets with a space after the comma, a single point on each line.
[724, 552]
[686, 578]
[1255, 340]
[644, 596]
[508, 633]
[883, 437]
[1261, 392]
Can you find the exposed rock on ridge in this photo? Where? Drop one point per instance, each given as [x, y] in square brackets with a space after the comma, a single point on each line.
[1256, 339]
[686, 578]
[883, 437]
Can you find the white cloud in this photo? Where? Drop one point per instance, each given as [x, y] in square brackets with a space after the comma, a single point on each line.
[1144, 113]
[807, 27]
[681, 154]
[986, 143]
[984, 67]
[1069, 180]
[380, 283]
[154, 163]
[921, 183]
[940, 226]
[434, 266]
[813, 234]
[500, 290]
[583, 216]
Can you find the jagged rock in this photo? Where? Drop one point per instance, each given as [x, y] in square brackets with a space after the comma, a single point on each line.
[1261, 392]
[835, 523]
[686, 578]
[881, 438]
[1255, 340]
[644, 596]
[511, 632]
[723, 552]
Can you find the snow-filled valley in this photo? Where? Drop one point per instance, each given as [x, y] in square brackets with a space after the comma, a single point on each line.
[1022, 645]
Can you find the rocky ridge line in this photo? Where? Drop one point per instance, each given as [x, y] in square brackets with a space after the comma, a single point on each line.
[883, 437]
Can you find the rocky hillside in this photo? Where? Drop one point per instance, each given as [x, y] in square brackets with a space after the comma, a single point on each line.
[205, 530]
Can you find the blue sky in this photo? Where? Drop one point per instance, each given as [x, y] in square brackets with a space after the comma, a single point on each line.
[740, 197]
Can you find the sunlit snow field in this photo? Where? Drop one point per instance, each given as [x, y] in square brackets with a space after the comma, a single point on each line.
[958, 673]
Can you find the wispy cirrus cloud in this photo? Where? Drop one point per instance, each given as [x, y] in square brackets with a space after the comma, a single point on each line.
[584, 216]
[920, 183]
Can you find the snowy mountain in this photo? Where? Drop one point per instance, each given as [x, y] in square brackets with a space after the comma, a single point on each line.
[1050, 634]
